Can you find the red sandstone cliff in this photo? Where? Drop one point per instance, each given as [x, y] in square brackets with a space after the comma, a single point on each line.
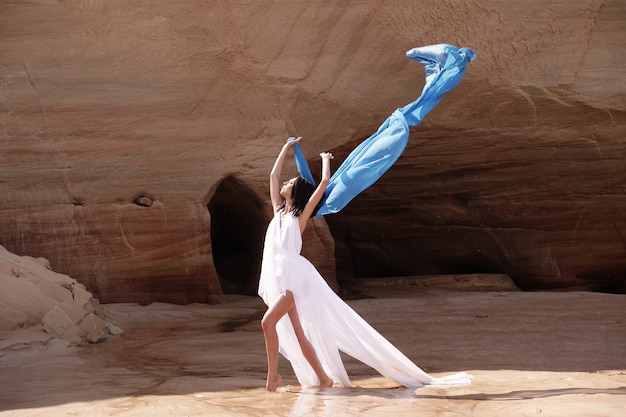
[137, 136]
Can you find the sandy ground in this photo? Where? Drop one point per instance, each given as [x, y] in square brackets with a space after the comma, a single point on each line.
[531, 354]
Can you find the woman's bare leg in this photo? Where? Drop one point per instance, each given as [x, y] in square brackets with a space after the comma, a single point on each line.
[308, 351]
[283, 304]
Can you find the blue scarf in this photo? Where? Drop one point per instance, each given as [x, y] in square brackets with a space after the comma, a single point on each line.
[445, 66]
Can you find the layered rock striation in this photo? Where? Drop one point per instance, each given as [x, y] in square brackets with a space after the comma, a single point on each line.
[137, 138]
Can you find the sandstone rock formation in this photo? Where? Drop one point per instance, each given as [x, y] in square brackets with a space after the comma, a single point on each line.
[137, 136]
[47, 304]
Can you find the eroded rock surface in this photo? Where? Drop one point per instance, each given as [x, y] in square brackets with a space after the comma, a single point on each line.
[39, 304]
[121, 120]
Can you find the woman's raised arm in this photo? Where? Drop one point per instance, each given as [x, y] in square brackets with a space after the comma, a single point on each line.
[275, 196]
[317, 195]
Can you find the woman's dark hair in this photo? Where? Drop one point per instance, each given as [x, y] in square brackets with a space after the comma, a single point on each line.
[301, 193]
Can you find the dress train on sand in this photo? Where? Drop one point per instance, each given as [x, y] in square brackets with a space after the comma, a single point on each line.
[328, 322]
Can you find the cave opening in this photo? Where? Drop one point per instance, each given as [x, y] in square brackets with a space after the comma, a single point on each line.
[238, 223]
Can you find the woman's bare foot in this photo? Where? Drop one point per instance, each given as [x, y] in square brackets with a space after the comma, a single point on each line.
[326, 383]
[273, 382]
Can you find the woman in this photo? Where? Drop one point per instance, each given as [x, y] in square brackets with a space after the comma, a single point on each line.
[293, 205]
[306, 321]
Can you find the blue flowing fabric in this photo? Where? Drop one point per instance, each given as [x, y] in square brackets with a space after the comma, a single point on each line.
[445, 66]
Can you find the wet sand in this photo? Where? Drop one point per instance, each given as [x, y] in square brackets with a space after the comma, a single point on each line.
[531, 354]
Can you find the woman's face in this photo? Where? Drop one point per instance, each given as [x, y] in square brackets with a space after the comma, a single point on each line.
[287, 189]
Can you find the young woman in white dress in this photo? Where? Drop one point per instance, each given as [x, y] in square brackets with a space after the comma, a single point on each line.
[297, 197]
[306, 321]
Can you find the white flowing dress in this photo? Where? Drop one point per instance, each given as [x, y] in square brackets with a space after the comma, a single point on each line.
[328, 322]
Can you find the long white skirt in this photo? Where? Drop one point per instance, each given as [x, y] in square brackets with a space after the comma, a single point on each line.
[329, 323]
